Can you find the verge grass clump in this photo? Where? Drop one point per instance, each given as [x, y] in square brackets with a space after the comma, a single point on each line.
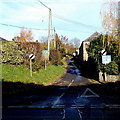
[12, 73]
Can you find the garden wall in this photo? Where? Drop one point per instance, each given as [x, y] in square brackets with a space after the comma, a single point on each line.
[109, 78]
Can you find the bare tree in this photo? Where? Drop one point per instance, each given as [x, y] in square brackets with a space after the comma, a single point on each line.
[75, 42]
[64, 39]
[109, 14]
[43, 39]
[111, 22]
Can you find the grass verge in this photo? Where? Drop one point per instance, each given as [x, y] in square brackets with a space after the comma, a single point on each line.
[19, 73]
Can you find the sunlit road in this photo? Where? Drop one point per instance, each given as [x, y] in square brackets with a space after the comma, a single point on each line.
[74, 98]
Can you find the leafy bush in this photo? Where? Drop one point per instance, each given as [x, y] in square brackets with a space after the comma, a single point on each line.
[18, 53]
[31, 48]
[111, 68]
[63, 52]
[11, 53]
[118, 62]
[37, 65]
[55, 57]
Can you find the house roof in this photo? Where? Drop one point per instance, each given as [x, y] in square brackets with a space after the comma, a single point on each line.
[94, 35]
[2, 39]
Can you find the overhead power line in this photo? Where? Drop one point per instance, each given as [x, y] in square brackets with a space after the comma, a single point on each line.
[69, 20]
[8, 25]
[79, 31]
[75, 22]
[43, 4]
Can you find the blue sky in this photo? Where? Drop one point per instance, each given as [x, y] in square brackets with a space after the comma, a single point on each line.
[80, 18]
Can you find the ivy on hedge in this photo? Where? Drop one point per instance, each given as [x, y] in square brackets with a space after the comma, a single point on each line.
[11, 53]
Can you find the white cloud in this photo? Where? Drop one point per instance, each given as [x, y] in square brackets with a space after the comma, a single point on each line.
[31, 13]
[28, 13]
[37, 13]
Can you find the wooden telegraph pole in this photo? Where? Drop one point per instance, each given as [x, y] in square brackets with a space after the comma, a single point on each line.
[54, 38]
[49, 21]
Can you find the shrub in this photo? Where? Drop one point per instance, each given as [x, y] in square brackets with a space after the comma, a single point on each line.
[18, 53]
[31, 48]
[11, 53]
[110, 69]
[37, 65]
[63, 52]
[55, 57]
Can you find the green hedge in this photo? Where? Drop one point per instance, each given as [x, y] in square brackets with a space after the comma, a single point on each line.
[55, 57]
[110, 69]
[11, 53]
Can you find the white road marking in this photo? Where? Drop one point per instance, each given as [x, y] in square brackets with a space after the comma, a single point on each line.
[58, 106]
[93, 94]
[61, 95]
[70, 83]
[80, 114]
[63, 114]
[58, 99]
[76, 107]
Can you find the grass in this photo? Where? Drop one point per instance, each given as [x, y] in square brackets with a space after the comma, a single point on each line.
[19, 73]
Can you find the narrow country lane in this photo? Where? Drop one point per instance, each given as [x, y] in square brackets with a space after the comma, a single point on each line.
[74, 97]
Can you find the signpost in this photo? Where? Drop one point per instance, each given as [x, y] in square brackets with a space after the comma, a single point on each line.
[31, 57]
[105, 60]
[103, 52]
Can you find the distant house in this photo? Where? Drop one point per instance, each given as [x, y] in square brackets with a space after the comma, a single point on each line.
[2, 39]
[83, 55]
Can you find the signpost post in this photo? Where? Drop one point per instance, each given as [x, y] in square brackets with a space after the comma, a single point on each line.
[31, 56]
[45, 61]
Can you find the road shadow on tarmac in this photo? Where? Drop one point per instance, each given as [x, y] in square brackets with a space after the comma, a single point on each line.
[21, 96]
[21, 91]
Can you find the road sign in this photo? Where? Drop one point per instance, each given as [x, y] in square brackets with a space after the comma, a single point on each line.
[45, 51]
[106, 59]
[103, 52]
[45, 56]
[31, 56]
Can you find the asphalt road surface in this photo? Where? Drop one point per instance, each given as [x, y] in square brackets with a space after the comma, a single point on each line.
[74, 98]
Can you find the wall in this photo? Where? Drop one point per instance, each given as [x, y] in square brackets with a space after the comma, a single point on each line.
[109, 78]
[83, 55]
